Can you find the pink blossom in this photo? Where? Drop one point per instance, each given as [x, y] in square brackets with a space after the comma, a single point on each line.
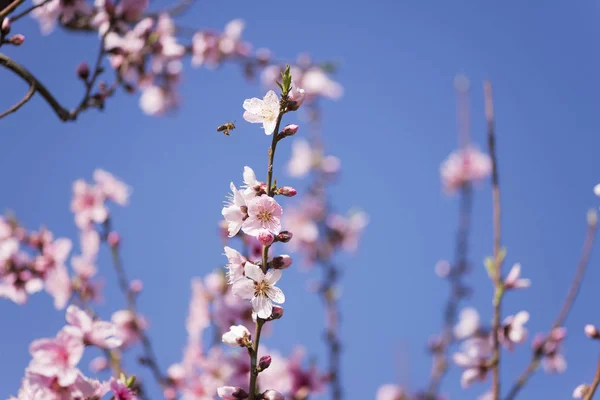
[513, 281]
[302, 159]
[305, 381]
[238, 335]
[99, 364]
[348, 229]
[157, 100]
[295, 97]
[48, 14]
[263, 214]
[465, 165]
[513, 330]
[111, 187]
[235, 265]
[88, 205]
[234, 211]
[58, 357]
[98, 333]
[129, 326]
[58, 285]
[198, 317]
[120, 390]
[553, 361]
[391, 392]
[580, 391]
[260, 288]
[212, 48]
[231, 393]
[468, 323]
[265, 111]
[473, 359]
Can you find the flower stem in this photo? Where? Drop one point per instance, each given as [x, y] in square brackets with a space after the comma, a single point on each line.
[592, 389]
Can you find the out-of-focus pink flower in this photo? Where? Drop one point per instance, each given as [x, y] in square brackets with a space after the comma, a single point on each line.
[301, 160]
[348, 229]
[212, 48]
[157, 100]
[580, 391]
[90, 244]
[263, 214]
[474, 359]
[57, 358]
[391, 392]
[49, 13]
[465, 165]
[98, 333]
[468, 323]
[231, 393]
[315, 82]
[260, 288]
[272, 395]
[553, 361]
[88, 205]
[99, 364]
[263, 111]
[120, 390]
[129, 326]
[58, 285]
[591, 331]
[234, 211]
[295, 97]
[112, 188]
[305, 381]
[513, 329]
[198, 316]
[513, 280]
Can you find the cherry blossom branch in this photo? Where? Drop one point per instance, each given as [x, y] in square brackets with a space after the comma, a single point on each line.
[440, 367]
[592, 388]
[10, 8]
[265, 250]
[592, 222]
[149, 358]
[21, 102]
[27, 76]
[497, 261]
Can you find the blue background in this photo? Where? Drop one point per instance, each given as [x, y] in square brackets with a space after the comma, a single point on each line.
[393, 127]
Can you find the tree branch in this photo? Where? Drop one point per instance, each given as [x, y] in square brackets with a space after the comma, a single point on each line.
[20, 103]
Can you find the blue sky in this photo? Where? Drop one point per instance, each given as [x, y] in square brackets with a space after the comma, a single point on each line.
[393, 127]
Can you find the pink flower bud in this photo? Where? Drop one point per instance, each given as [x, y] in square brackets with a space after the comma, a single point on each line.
[295, 97]
[264, 363]
[265, 238]
[281, 262]
[287, 191]
[580, 391]
[276, 313]
[272, 395]
[289, 130]
[592, 332]
[231, 393]
[5, 27]
[83, 71]
[284, 236]
[237, 335]
[16, 40]
[136, 286]
[113, 239]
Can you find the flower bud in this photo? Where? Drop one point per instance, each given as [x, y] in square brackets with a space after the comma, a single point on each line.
[5, 27]
[272, 395]
[231, 393]
[83, 71]
[113, 239]
[580, 391]
[592, 332]
[281, 262]
[276, 313]
[289, 130]
[265, 238]
[264, 363]
[286, 191]
[136, 286]
[16, 40]
[295, 97]
[237, 335]
[284, 236]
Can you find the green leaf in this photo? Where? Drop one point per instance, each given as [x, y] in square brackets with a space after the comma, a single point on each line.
[131, 381]
[287, 80]
[490, 266]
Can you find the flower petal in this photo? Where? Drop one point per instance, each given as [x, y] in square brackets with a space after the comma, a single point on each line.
[254, 272]
[243, 288]
[273, 276]
[263, 306]
[276, 295]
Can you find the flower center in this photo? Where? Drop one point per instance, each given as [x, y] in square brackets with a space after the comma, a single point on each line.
[264, 216]
[260, 288]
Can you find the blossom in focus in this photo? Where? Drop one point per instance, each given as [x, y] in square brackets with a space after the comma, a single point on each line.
[238, 335]
[235, 265]
[235, 211]
[465, 165]
[264, 213]
[263, 111]
[97, 333]
[260, 288]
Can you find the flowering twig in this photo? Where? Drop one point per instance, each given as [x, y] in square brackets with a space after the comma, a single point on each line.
[149, 355]
[497, 262]
[27, 76]
[592, 221]
[10, 8]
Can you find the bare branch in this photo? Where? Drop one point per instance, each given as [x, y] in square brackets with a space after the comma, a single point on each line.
[20, 103]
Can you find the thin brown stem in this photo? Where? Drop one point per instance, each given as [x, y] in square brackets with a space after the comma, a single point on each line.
[28, 77]
[592, 388]
[566, 307]
[21, 102]
[10, 8]
[497, 272]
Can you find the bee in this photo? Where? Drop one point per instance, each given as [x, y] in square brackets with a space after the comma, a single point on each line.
[226, 127]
